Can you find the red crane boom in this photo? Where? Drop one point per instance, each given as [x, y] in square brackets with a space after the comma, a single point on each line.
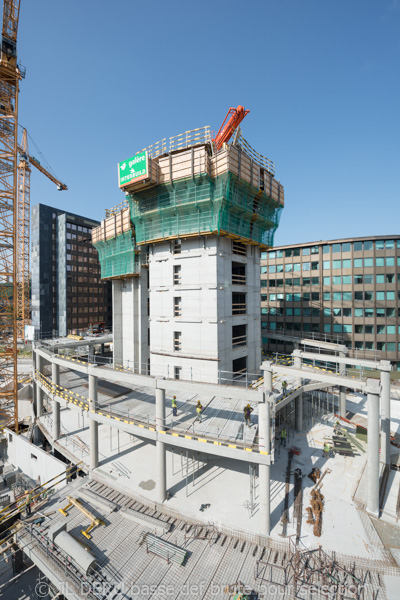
[228, 127]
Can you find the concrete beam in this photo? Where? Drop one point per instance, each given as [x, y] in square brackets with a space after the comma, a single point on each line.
[297, 341]
[170, 386]
[105, 339]
[324, 377]
[341, 359]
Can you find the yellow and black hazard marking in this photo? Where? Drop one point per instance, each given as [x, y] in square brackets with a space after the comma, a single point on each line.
[76, 399]
[65, 357]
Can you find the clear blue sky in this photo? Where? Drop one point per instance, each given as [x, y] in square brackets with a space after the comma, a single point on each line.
[321, 79]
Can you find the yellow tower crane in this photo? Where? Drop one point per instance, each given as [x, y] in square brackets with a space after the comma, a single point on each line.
[10, 75]
[23, 228]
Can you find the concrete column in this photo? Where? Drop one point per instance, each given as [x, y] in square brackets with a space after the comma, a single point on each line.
[264, 470]
[297, 365]
[385, 411]
[373, 389]
[342, 390]
[161, 484]
[39, 393]
[91, 354]
[55, 372]
[266, 367]
[299, 412]
[93, 425]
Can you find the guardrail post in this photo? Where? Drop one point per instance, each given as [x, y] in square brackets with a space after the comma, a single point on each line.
[93, 425]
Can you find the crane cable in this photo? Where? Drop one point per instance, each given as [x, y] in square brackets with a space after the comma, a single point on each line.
[38, 151]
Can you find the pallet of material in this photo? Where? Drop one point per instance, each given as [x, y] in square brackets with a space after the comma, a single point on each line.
[232, 159]
[165, 550]
[112, 226]
[183, 165]
[156, 525]
[98, 501]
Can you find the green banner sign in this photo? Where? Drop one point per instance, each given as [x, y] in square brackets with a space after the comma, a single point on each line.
[132, 170]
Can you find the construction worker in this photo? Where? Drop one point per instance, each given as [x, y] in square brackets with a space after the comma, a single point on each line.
[174, 406]
[284, 386]
[28, 502]
[326, 450]
[247, 414]
[283, 437]
[199, 410]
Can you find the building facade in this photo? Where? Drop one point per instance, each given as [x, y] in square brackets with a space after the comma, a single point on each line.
[346, 290]
[67, 292]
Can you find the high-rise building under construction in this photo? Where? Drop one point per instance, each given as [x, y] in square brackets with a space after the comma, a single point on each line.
[183, 253]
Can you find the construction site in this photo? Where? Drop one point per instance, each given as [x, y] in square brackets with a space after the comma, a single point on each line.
[167, 457]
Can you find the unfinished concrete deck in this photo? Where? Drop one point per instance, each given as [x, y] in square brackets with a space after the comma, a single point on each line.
[215, 560]
[194, 478]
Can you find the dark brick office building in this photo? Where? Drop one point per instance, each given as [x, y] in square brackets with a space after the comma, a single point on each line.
[67, 292]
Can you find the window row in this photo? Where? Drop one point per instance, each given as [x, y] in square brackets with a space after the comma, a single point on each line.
[382, 346]
[289, 267]
[327, 265]
[335, 248]
[295, 297]
[362, 279]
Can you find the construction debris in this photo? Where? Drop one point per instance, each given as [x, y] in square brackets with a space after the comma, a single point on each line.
[315, 474]
[315, 512]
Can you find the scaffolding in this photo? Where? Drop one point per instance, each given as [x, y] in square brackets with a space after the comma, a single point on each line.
[224, 205]
[118, 257]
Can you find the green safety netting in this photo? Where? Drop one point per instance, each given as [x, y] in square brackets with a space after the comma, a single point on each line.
[201, 204]
[117, 256]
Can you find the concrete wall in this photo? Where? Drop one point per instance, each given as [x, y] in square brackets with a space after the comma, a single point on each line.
[33, 461]
[206, 318]
[130, 322]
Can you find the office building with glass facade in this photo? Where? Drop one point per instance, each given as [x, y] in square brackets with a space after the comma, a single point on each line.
[346, 290]
[67, 292]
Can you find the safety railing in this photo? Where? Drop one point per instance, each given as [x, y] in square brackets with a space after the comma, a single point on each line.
[263, 161]
[193, 137]
[238, 279]
[196, 429]
[117, 208]
[239, 340]
[239, 308]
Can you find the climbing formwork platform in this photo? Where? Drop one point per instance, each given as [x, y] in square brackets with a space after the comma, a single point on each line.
[187, 188]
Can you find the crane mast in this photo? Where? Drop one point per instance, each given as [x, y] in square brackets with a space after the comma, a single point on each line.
[9, 83]
[23, 221]
[23, 229]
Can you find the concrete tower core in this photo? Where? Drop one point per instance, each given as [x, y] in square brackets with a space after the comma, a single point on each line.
[183, 252]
